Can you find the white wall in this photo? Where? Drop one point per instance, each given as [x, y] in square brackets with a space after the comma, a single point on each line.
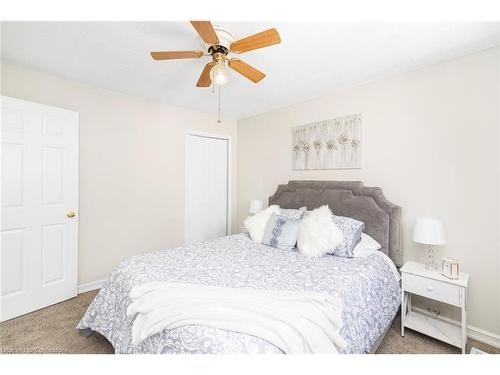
[430, 140]
[131, 166]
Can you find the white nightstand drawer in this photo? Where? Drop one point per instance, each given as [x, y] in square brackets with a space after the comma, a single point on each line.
[437, 290]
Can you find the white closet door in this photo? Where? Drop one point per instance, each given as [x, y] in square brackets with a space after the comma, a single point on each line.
[39, 234]
[206, 188]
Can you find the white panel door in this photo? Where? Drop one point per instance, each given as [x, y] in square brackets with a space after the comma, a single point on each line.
[39, 233]
[206, 187]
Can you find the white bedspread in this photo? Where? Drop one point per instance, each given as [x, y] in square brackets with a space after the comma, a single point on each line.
[294, 321]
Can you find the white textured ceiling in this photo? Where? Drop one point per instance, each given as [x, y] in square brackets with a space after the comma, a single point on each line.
[314, 59]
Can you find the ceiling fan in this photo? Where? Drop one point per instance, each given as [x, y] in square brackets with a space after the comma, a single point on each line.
[219, 43]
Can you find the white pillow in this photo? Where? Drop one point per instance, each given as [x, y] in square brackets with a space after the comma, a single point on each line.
[366, 246]
[318, 233]
[256, 224]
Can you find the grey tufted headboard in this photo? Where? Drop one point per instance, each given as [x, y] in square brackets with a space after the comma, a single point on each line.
[349, 198]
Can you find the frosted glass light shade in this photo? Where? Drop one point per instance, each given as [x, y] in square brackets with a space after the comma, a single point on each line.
[219, 74]
[255, 206]
[429, 231]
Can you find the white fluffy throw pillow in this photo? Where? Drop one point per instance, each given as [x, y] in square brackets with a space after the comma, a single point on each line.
[318, 233]
[256, 224]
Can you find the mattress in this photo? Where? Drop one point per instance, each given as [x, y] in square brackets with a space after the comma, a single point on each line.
[368, 286]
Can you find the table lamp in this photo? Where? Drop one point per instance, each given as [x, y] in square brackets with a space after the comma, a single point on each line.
[255, 206]
[429, 231]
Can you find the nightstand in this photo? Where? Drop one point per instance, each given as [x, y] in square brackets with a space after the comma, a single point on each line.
[416, 279]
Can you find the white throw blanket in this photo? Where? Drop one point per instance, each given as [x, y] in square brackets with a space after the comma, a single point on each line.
[295, 322]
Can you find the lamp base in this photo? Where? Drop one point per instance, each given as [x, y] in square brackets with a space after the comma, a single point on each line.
[430, 264]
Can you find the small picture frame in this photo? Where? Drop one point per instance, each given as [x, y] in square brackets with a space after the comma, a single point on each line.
[450, 268]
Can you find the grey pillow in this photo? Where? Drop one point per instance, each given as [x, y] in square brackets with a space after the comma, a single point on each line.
[351, 229]
[281, 232]
[292, 213]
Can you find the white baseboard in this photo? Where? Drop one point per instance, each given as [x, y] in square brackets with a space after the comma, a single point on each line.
[475, 333]
[90, 286]
[487, 337]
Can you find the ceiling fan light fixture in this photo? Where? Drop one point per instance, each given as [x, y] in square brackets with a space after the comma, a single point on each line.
[219, 74]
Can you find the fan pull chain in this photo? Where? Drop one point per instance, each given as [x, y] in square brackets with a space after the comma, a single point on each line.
[219, 120]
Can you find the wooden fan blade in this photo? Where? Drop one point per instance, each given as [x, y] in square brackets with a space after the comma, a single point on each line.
[246, 70]
[260, 40]
[206, 31]
[205, 80]
[170, 55]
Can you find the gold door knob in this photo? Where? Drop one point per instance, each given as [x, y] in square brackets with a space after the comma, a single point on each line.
[71, 214]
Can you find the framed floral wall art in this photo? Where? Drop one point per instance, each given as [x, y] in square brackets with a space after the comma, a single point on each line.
[330, 144]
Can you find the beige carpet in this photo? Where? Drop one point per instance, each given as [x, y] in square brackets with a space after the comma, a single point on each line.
[52, 330]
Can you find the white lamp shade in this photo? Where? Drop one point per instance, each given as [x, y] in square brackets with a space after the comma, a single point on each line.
[255, 206]
[429, 231]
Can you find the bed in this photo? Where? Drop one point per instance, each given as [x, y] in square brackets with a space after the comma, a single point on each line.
[369, 286]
